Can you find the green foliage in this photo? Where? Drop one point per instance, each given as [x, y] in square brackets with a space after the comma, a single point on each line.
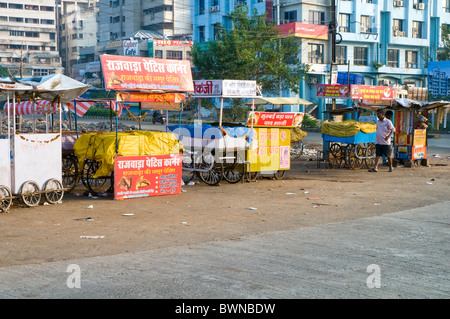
[98, 111]
[309, 121]
[251, 50]
[4, 72]
[443, 53]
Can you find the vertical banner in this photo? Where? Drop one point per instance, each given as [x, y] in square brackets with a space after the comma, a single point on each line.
[147, 175]
[270, 150]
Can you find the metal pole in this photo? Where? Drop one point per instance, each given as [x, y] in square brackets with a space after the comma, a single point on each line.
[221, 111]
[75, 110]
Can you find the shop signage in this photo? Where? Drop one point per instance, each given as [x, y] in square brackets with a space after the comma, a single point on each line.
[226, 88]
[147, 175]
[419, 152]
[303, 30]
[153, 101]
[138, 73]
[131, 47]
[275, 119]
[178, 43]
[332, 90]
[368, 92]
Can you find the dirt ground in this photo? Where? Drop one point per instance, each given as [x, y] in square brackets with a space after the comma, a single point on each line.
[308, 195]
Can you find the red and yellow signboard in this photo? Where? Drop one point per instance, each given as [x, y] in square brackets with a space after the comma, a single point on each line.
[147, 175]
[270, 150]
[368, 92]
[275, 119]
[303, 30]
[153, 101]
[332, 90]
[137, 73]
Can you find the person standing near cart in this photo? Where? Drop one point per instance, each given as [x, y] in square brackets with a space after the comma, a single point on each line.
[385, 129]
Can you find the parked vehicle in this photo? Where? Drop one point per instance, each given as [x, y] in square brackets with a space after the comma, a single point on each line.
[158, 117]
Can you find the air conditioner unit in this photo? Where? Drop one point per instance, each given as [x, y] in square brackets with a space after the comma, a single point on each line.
[214, 8]
[421, 6]
[398, 3]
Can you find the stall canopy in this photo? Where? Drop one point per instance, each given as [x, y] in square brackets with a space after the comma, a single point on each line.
[278, 101]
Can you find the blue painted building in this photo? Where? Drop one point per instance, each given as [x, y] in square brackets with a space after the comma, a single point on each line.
[388, 42]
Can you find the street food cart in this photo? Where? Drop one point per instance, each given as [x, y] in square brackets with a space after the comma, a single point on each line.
[117, 159]
[32, 160]
[270, 152]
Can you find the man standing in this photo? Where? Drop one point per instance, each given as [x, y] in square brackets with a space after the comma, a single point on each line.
[385, 129]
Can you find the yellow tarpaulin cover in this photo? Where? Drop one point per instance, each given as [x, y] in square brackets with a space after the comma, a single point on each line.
[101, 147]
[297, 134]
[347, 128]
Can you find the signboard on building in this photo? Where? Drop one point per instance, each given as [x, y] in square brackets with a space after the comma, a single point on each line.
[138, 73]
[142, 176]
[303, 30]
[178, 43]
[369, 92]
[332, 90]
[153, 101]
[349, 78]
[226, 88]
[131, 47]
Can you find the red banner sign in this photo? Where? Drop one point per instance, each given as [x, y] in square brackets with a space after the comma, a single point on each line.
[303, 30]
[148, 175]
[150, 97]
[368, 92]
[275, 119]
[137, 73]
[332, 90]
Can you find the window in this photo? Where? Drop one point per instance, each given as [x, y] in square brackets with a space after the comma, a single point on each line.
[446, 7]
[15, 19]
[315, 54]
[47, 8]
[47, 21]
[201, 33]
[16, 33]
[360, 55]
[15, 6]
[417, 29]
[317, 17]
[31, 7]
[158, 54]
[397, 28]
[216, 30]
[41, 72]
[201, 6]
[174, 55]
[366, 24]
[3, 5]
[344, 22]
[290, 16]
[411, 59]
[392, 58]
[31, 34]
[31, 20]
[341, 54]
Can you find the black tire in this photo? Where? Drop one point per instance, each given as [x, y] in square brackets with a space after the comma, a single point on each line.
[279, 174]
[99, 184]
[212, 176]
[187, 175]
[70, 174]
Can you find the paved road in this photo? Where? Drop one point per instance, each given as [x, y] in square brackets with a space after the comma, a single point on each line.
[405, 253]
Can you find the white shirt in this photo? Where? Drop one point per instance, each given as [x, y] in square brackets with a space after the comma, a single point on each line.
[384, 129]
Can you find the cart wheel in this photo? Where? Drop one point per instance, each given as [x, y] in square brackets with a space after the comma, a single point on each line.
[369, 161]
[99, 184]
[279, 174]
[335, 155]
[252, 176]
[234, 175]
[213, 176]
[29, 193]
[69, 171]
[53, 191]
[355, 156]
[188, 162]
[5, 198]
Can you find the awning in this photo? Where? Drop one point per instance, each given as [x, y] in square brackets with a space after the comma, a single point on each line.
[278, 101]
[432, 105]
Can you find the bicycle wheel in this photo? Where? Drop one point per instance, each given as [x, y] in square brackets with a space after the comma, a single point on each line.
[53, 191]
[355, 156]
[29, 193]
[335, 155]
[252, 176]
[213, 175]
[234, 175]
[69, 172]
[5, 198]
[187, 172]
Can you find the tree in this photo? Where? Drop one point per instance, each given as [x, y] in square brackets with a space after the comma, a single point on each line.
[443, 53]
[250, 50]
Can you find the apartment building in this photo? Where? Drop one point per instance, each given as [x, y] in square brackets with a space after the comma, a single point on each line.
[28, 37]
[77, 30]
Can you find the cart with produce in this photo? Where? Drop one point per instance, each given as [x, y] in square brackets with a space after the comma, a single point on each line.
[349, 144]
